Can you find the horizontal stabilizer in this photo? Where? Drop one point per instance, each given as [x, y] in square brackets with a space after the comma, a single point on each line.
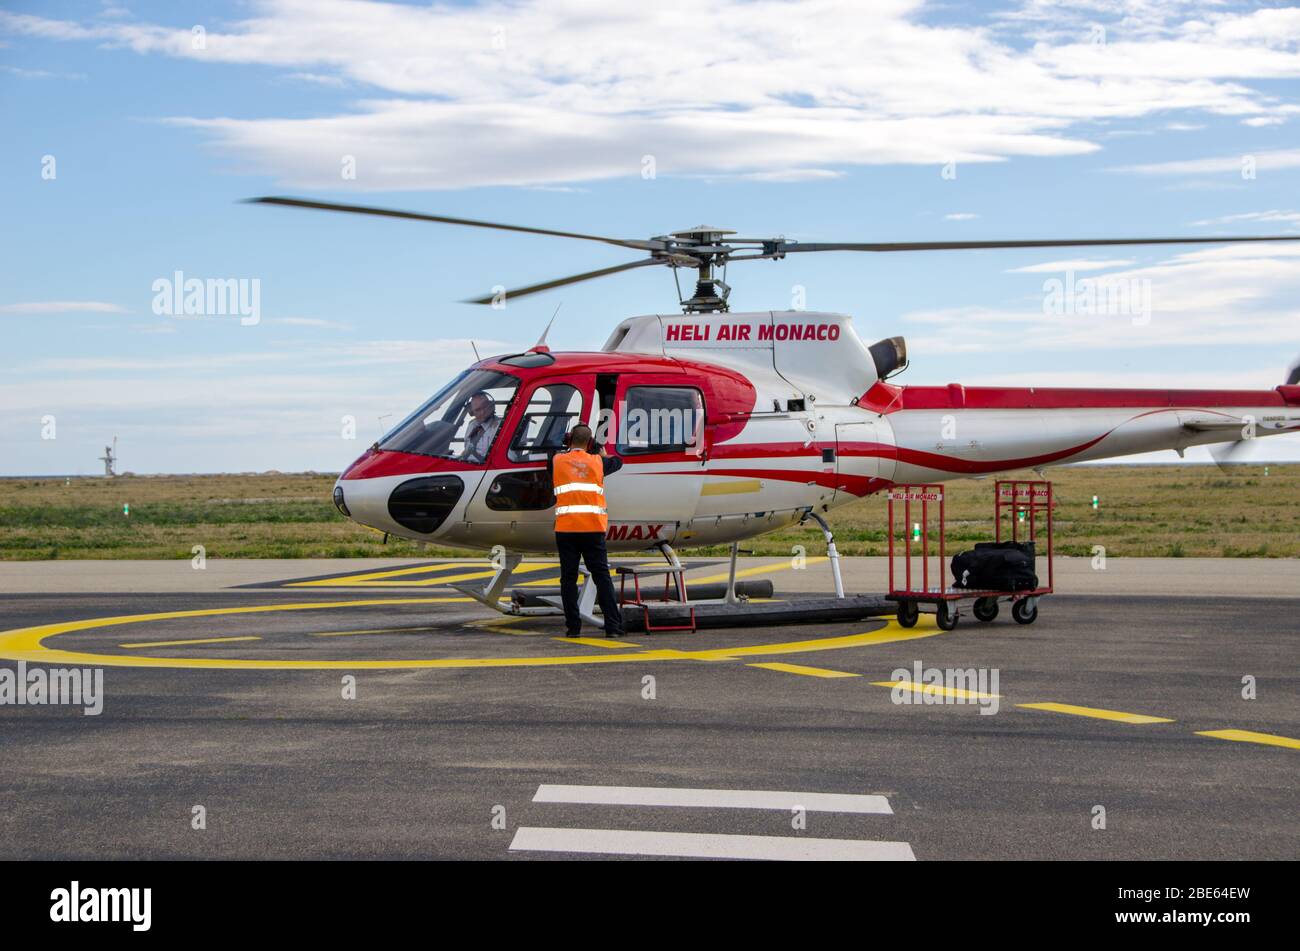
[1216, 425]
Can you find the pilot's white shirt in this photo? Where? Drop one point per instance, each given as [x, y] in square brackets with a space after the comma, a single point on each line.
[477, 449]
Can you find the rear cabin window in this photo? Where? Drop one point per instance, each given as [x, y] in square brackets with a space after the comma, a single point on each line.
[660, 419]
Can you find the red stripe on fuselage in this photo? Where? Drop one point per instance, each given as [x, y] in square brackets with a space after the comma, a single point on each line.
[933, 460]
[377, 463]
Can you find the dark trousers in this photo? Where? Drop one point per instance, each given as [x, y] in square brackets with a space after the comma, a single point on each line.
[590, 548]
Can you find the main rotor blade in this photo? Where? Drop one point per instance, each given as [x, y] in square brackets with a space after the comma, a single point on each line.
[560, 282]
[443, 219]
[968, 245]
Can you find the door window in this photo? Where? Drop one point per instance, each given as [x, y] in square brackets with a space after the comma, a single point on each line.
[527, 490]
[552, 410]
[660, 419]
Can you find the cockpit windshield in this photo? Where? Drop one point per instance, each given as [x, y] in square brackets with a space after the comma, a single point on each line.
[460, 422]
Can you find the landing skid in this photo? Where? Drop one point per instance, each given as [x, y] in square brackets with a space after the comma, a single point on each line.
[489, 594]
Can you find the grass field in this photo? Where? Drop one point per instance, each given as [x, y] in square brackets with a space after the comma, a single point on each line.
[1169, 511]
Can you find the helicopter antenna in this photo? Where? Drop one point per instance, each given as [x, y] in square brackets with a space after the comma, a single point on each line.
[541, 343]
[708, 250]
[477, 358]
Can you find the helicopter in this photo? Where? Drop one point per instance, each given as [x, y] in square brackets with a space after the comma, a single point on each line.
[732, 425]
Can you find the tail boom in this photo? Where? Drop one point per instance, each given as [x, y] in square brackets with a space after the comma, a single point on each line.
[954, 431]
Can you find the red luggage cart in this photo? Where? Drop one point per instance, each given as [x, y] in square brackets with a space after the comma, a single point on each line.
[1019, 502]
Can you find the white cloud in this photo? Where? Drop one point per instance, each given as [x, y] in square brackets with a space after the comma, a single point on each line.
[558, 92]
[961, 216]
[308, 322]
[251, 410]
[1077, 264]
[22, 73]
[1254, 378]
[335, 81]
[1239, 294]
[794, 175]
[1269, 217]
[1272, 160]
[63, 307]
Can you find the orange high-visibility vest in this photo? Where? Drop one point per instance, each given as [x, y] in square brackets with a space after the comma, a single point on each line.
[579, 492]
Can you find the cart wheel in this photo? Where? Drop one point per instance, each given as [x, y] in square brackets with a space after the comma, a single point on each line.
[1025, 611]
[945, 615]
[908, 613]
[986, 609]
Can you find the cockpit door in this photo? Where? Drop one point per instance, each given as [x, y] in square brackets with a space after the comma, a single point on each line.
[514, 505]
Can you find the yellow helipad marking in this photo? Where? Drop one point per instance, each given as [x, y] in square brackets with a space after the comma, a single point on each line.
[757, 570]
[376, 579]
[390, 573]
[505, 624]
[595, 641]
[197, 640]
[412, 583]
[1093, 712]
[888, 634]
[805, 671]
[582, 576]
[1248, 736]
[938, 690]
[26, 644]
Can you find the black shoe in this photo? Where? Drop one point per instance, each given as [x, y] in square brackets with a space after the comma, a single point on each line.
[613, 633]
[572, 633]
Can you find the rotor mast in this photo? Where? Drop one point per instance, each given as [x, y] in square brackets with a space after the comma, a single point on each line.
[711, 291]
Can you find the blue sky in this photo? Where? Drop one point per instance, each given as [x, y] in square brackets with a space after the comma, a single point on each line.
[815, 120]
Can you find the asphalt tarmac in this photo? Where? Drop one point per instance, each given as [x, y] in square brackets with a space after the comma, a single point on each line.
[405, 722]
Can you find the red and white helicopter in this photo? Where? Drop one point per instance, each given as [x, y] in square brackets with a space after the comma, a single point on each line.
[736, 424]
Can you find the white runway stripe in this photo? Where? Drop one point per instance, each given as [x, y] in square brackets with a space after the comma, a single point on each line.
[713, 798]
[706, 845]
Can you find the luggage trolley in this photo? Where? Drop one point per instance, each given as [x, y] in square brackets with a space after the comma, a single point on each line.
[1022, 501]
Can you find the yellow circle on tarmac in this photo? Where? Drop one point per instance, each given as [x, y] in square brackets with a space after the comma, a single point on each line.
[27, 644]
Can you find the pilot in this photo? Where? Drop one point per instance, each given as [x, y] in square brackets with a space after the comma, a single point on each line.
[483, 428]
[578, 476]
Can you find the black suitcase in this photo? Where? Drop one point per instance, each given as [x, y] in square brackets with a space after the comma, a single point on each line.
[996, 566]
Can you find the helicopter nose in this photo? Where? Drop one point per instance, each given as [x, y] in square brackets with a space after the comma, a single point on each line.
[349, 493]
[365, 501]
[403, 505]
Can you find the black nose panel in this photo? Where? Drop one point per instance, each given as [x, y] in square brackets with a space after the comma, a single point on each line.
[423, 504]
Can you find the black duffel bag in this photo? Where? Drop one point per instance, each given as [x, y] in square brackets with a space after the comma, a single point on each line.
[996, 566]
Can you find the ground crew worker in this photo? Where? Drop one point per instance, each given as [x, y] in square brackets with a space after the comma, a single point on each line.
[578, 476]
